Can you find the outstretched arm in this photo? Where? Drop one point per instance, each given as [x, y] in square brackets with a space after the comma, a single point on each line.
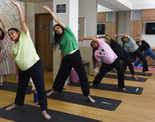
[89, 38]
[102, 36]
[54, 16]
[3, 23]
[129, 37]
[122, 35]
[22, 19]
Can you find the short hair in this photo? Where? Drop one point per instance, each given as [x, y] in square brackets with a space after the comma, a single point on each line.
[124, 38]
[91, 43]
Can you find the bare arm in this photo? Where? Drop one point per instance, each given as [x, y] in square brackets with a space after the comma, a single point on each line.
[89, 38]
[61, 54]
[126, 35]
[102, 36]
[98, 64]
[54, 16]
[22, 19]
[16, 72]
[3, 23]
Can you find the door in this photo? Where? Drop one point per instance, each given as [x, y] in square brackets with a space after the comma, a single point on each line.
[43, 40]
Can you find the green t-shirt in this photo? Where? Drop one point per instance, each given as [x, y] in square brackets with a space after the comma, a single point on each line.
[68, 42]
[24, 52]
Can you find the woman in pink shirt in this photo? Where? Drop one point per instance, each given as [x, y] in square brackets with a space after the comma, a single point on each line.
[108, 60]
[7, 64]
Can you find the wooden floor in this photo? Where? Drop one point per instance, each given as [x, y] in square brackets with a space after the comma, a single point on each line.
[134, 108]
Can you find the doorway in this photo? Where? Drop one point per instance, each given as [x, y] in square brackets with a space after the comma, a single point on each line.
[43, 36]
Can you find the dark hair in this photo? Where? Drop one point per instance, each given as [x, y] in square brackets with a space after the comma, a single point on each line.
[3, 34]
[137, 42]
[14, 29]
[107, 35]
[124, 38]
[57, 37]
[93, 57]
[91, 43]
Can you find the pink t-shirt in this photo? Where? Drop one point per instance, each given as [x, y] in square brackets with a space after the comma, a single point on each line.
[104, 53]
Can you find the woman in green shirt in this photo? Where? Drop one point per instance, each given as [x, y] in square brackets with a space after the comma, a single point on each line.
[71, 58]
[29, 65]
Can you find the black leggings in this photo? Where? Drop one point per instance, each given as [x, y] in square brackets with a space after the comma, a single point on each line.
[130, 65]
[126, 61]
[138, 54]
[108, 67]
[73, 60]
[37, 75]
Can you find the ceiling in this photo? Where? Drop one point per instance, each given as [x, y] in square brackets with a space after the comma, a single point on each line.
[114, 5]
[117, 5]
[143, 4]
[121, 5]
[35, 0]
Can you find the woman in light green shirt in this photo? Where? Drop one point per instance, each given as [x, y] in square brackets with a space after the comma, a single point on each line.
[29, 64]
[71, 58]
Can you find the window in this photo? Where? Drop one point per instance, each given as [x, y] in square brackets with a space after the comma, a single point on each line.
[150, 28]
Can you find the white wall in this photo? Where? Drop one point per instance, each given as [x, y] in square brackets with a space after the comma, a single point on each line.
[88, 9]
[73, 16]
[150, 39]
[9, 13]
[62, 16]
[123, 22]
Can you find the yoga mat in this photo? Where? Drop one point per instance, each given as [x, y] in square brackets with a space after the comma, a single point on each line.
[150, 68]
[139, 73]
[114, 76]
[76, 98]
[113, 87]
[9, 86]
[30, 113]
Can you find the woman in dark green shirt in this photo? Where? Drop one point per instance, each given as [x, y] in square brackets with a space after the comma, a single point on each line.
[71, 58]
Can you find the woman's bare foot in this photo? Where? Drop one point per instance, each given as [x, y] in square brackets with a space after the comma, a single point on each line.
[11, 107]
[90, 84]
[49, 93]
[91, 99]
[122, 89]
[33, 88]
[46, 115]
